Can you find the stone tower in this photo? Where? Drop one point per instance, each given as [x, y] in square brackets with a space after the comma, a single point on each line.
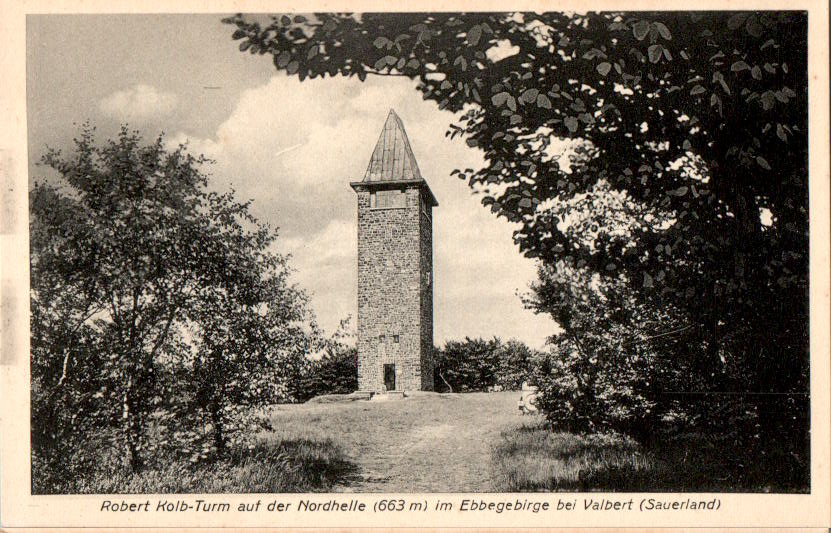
[395, 268]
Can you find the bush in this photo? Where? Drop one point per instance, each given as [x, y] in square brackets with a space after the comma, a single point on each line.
[265, 467]
[515, 364]
[630, 367]
[587, 392]
[478, 365]
[334, 373]
[607, 370]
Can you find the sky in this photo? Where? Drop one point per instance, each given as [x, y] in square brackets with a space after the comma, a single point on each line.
[291, 147]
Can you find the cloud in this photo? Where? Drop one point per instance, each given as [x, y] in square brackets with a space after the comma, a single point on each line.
[294, 147]
[137, 103]
[325, 266]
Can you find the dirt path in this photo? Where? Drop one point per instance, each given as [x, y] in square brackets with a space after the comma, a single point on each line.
[436, 443]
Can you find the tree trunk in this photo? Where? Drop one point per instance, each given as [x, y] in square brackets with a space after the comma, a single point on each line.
[132, 428]
[218, 429]
[445, 381]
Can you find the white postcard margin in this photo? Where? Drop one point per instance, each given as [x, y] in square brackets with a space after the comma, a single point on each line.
[19, 509]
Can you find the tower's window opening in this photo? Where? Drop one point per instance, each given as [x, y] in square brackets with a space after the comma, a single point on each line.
[395, 339]
[372, 199]
[381, 339]
[390, 199]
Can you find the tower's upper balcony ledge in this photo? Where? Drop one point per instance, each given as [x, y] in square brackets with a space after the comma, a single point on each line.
[394, 184]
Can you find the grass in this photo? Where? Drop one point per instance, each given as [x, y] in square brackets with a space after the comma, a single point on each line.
[533, 458]
[475, 442]
[426, 443]
[288, 466]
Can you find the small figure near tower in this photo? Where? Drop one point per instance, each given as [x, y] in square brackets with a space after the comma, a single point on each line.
[395, 268]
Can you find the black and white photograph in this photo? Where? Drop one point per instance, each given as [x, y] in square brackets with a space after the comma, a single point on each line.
[421, 252]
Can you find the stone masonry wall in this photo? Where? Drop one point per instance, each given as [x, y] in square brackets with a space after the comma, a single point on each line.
[390, 299]
[426, 244]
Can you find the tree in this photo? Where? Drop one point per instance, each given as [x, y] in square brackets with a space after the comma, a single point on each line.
[336, 372]
[699, 120]
[131, 256]
[516, 361]
[64, 352]
[469, 365]
[247, 328]
[606, 371]
[132, 214]
[478, 365]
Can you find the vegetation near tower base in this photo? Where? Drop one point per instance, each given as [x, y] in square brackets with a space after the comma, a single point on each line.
[479, 365]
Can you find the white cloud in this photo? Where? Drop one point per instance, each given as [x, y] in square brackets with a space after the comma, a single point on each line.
[294, 147]
[139, 102]
[325, 266]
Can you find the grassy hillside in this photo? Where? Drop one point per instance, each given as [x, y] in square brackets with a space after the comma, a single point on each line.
[431, 443]
[476, 442]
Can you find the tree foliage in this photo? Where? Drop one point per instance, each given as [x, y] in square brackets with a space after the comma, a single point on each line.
[336, 371]
[476, 365]
[148, 293]
[248, 332]
[606, 370]
[690, 127]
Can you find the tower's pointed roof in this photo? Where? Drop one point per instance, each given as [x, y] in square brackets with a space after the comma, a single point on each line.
[393, 163]
[392, 159]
